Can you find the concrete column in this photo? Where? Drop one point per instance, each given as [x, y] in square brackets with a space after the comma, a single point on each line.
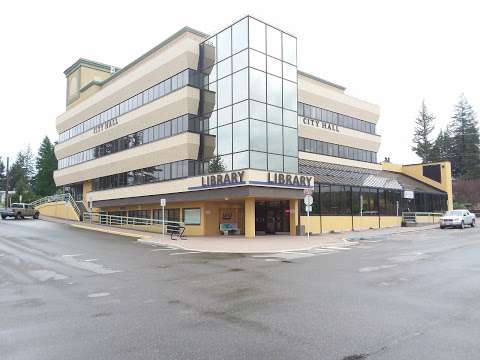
[250, 217]
[293, 216]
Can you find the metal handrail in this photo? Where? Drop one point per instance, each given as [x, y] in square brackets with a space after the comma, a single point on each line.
[412, 215]
[128, 221]
[418, 213]
[58, 198]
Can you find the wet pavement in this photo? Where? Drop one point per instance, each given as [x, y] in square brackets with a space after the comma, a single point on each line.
[67, 293]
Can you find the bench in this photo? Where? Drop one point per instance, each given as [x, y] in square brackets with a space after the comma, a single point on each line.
[228, 228]
[176, 229]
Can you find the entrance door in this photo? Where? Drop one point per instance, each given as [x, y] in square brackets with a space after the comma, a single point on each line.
[272, 217]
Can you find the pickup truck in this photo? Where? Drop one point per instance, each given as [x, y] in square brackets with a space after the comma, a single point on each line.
[19, 211]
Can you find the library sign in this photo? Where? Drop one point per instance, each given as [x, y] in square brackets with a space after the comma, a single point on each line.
[320, 124]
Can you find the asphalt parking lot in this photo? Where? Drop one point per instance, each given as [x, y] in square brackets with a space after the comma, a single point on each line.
[67, 293]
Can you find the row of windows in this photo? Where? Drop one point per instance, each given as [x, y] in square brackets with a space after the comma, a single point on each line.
[328, 116]
[329, 149]
[350, 200]
[256, 85]
[245, 58]
[175, 170]
[254, 34]
[166, 129]
[190, 216]
[153, 93]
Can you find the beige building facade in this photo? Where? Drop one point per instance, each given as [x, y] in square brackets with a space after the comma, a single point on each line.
[232, 134]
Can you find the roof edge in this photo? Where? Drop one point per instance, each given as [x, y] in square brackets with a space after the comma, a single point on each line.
[313, 77]
[185, 29]
[90, 63]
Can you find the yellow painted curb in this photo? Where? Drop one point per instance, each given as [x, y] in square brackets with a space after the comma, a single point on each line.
[108, 231]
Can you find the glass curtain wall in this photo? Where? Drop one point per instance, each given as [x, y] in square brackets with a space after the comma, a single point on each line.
[249, 97]
[331, 199]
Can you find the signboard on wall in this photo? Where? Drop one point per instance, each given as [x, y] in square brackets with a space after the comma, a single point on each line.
[408, 194]
[321, 124]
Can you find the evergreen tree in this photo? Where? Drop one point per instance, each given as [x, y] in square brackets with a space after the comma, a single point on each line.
[466, 140]
[215, 165]
[21, 174]
[423, 130]
[46, 164]
[2, 174]
[442, 148]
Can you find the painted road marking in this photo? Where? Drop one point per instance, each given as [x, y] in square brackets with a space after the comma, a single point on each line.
[44, 275]
[166, 249]
[88, 266]
[183, 253]
[88, 260]
[74, 255]
[100, 294]
[376, 268]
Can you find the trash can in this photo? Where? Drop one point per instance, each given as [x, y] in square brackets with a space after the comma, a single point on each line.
[301, 230]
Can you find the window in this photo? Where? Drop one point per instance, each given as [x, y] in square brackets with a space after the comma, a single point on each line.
[240, 86]
[290, 139]
[289, 95]
[240, 160]
[240, 35]
[258, 138]
[257, 85]
[224, 44]
[257, 60]
[275, 143]
[256, 34]
[225, 139]
[289, 48]
[275, 162]
[258, 160]
[224, 92]
[274, 90]
[170, 214]
[274, 42]
[274, 114]
[240, 136]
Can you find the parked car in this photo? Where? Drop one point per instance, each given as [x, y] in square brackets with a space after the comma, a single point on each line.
[457, 218]
[20, 211]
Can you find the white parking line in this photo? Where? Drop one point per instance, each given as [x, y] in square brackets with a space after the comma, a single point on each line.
[184, 253]
[335, 248]
[88, 260]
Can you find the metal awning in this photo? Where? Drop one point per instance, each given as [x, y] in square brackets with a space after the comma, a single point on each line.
[355, 176]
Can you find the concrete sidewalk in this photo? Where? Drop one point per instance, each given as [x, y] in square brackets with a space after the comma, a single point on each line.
[259, 244]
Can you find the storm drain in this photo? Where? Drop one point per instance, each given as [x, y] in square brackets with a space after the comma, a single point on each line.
[355, 357]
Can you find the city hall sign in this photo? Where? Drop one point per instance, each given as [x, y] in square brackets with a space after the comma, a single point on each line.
[320, 124]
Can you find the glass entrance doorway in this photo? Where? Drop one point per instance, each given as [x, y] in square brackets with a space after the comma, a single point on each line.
[272, 217]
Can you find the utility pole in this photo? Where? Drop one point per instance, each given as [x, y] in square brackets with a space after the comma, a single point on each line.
[6, 184]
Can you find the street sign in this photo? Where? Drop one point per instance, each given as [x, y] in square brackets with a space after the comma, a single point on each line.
[308, 191]
[163, 202]
[308, 200]
[308, 208]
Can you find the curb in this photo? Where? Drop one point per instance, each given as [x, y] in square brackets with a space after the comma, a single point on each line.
[182, 247]
[360, 238]
[113, 232]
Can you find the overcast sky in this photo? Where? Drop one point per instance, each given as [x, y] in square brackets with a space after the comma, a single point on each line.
[390, 53]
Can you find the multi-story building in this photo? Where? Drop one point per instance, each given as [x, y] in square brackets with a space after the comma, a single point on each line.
[229, 131]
